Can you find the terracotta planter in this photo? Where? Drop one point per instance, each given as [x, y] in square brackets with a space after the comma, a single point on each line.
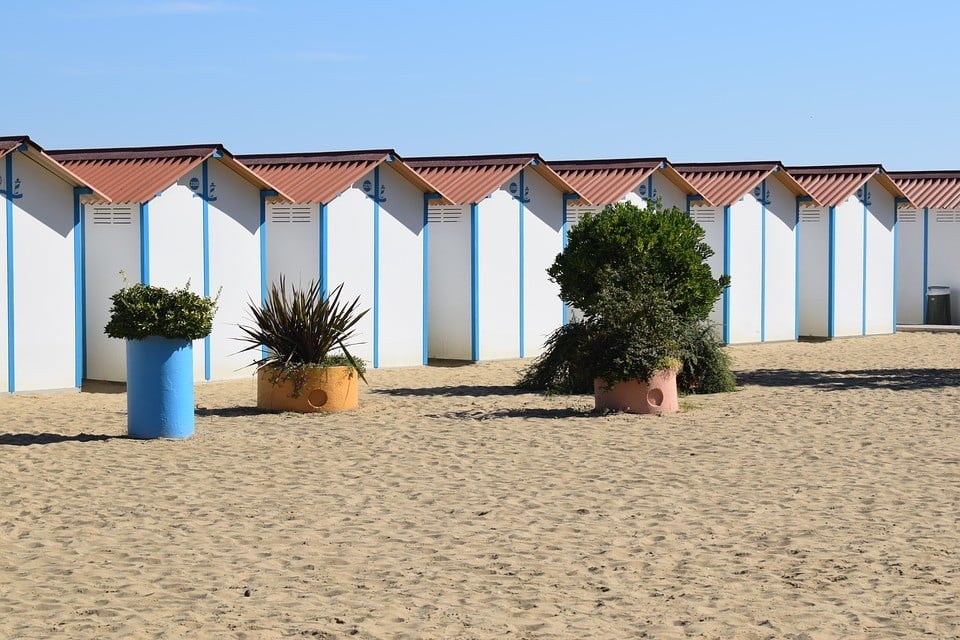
[325, 389]
[656, 395]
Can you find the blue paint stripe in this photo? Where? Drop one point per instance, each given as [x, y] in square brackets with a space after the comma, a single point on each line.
[263, 253]
[896, 260]
[474, 282]
[11, 325]
[522, 279]
[832, 276]
[863, 297]
[79, 285]
[565, 230]
[144, 243]
[796, 271]
[206, 261]
[324, 253]
[427, 197]
[376, 267]
[926, 254]
[763, 261]
[726, 271]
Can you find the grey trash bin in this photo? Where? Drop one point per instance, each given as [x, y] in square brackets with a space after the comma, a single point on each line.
[938, 305]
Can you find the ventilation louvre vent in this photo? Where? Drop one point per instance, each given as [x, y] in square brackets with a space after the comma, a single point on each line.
[576, 212]
[290, 215]
[908, 215]
[808, 215]
[115, 214]
[947, 216]
[704, 215]
[444, 213]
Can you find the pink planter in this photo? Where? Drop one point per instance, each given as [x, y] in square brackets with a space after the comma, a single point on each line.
[656, 395]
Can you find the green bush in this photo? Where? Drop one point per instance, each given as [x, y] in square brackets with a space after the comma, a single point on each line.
[562, 368]
[706, 366]
[140, 311]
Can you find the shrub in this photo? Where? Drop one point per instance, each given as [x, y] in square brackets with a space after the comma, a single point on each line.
[706, 366]
[140, 311]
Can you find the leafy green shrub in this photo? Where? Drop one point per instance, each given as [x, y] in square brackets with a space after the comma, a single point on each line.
[706, 366]
[562, 366]
[300, 328]
[140, 311]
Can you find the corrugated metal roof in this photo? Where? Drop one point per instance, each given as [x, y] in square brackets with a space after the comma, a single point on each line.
[470, 179]
[722, 184]
[832, 184]
[321, 177]
[604, 182]
[933, 189]
[36, 153]
[138, 174]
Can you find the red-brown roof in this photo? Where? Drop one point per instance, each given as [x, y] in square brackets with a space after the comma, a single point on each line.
[607, 181]
[321, 177]
[933, 189]
[470, 179]
[831, 185]
[36, 153]
[138, 174]
[722, 184]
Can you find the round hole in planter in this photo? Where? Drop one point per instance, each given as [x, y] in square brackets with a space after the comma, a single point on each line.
[656, 395]
[308, 389]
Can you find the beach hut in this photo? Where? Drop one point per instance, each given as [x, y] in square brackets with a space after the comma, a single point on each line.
[169, 216]
[748, 211]
[39, 331]
[927, 238]
[356, 217]
[489, 296]
[846, 257]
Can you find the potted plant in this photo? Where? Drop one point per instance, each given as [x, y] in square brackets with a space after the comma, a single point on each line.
[305, 339]
[159, 326]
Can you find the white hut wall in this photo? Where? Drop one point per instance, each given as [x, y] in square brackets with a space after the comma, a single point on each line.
[780, 263]
[848, 268]
[911, 296]
[349, 247]
[499, 275]
[668, 192]
[175, 240]
[448, 282]
[543, 241]
[943, 258]
[400, 313]
[814, 264]
[43, 280]
[879, 267]
[746, 265]
[234, 259]
[293, 243]
[711, 220]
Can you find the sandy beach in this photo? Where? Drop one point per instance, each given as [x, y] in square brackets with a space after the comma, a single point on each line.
[822, 500]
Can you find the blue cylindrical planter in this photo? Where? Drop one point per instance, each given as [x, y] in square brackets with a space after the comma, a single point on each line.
[159, 388]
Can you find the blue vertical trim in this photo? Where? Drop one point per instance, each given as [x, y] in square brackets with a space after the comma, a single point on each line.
[11, 325]
[206, 260]
[324, 253]
[650, 186]
[427, 197]
[521, 248]
[726, 271]
[145, 243]
[567, 197]
[896, 261]
[474, 282]
[926, 246]
[832, 276]
[79, 282]
[376, 267]
[863, 297]
[264, 194]
[763, 261]
[796, 268]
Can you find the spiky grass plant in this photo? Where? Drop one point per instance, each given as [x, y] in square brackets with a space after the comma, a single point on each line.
[300, 328]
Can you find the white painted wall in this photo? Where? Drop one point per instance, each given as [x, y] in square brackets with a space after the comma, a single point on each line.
[814, 243]
[448, 267]
[711, 220]
[543, 242]
[4, 335]
[44, 288]
[293, 243]
[848, 292]
[112, 245]
[668, 193]
[401, 271]
[780, 290]
[910, 294]
[943, 257]
[745, 270]
[234, 268]
[499, 271]
[880, 268]
[350, 259]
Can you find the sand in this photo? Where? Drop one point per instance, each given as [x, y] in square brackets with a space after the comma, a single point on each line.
[820, 501]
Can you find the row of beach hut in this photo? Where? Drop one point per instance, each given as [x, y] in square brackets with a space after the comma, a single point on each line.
[449, 253]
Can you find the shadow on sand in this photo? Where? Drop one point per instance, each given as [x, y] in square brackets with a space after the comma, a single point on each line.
[472, 391]
[28, 439]
[893, 379]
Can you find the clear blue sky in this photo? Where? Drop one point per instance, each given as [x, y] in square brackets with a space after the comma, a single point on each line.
[803, 82]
